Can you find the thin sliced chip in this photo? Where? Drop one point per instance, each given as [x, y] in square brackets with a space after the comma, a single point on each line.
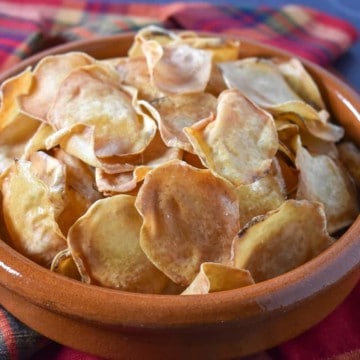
[135, 72]
[38, 140]
[259, 79]
[80, 191]
[190, 217]
[29, 215]
[15, 128]
[240, 143]
[176, 112]
[307, 118]
[105, 246]
[104, 117]
[282, 240]
[155, 154]
[301, 82]
[349, 155]
[215, 277]
[64, 264]
[322, 179]
[177, 68]
[263, 195]
[47, 77]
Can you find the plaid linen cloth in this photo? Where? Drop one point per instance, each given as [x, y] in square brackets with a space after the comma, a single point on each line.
[27, 28]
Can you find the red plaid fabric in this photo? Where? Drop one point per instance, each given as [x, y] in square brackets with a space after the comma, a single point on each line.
[27, 28]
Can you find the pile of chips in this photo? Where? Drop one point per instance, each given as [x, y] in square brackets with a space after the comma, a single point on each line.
[181, 168]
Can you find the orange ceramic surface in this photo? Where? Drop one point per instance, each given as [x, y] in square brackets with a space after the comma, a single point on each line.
[228, 324]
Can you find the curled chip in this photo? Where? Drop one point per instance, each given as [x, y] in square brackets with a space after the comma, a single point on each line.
[282, 239]
[323, 179]
[218, 277]
[301, 82]
[239, 143]
[30, 216]
[16, 128]
[176, 112]
[135, 72]
[307, 118]
[259, 79]
[154, 155]
[101, 115]
[177, 68]
[47, 77]
[104, 244]
[189, 217]
[349, 155]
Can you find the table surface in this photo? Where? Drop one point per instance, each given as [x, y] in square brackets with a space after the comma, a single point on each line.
[349, 10]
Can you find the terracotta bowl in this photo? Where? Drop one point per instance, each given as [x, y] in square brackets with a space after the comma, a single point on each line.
[228, 324]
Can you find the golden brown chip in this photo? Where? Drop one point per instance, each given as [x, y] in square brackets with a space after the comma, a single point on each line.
[190, 217]
[96, 119]
[307, 118]
[350, 156]
[177, 68]
[239, 143]
[105, 246]
[301, 82]
[47, 77]
[259, 79]
[29, 215]
[64, 264]
[322, 179]
[176, 112]
[38, 140]
[215, 277]
[263, 195]
[15, 128]
[281, 240]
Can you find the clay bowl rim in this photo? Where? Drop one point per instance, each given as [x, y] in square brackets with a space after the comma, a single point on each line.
[74, 299]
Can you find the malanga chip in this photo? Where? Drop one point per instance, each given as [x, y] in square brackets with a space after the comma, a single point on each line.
[47, 77]
[307, 118]
[89, 97]
[155, 154]
[323, 179]
[135, 72]
[16, 128]
[239, 143]
[259, 79]
[190, 217]
[104, 244]
[282, 239]
[176, 112]
[214, 277]
[177, 68]
[301, 81]
[349, 155]
[30, 215]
